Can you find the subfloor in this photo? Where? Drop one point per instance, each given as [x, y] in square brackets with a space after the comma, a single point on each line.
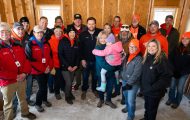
[87, 110]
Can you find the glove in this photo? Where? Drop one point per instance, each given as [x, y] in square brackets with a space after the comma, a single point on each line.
[127, 87]
[53, 71]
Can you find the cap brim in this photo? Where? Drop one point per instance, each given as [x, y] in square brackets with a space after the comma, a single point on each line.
[19, 26]
[78, 18]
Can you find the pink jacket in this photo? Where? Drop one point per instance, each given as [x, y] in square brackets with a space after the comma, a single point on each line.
[112, 53]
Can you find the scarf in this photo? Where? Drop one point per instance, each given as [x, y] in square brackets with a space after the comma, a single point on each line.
[39, 43]
[14, 35]
[135, 42]
[134, 31]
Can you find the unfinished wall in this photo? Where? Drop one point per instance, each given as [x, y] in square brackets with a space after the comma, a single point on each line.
[102, 10]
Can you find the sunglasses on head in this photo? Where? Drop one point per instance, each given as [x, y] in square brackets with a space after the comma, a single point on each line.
[125, 26]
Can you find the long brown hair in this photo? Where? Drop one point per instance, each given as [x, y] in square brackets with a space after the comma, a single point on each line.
[158, 54]
[183, 49]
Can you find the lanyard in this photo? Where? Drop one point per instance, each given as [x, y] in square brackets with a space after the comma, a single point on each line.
[41, 45]
[14, 57]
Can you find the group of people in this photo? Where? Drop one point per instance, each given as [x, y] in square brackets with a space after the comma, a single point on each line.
[117, 56]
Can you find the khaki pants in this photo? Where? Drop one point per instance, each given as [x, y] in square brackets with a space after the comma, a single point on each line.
[8, 93]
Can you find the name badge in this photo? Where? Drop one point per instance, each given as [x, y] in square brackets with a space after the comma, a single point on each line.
[17, 63]
[43, 60]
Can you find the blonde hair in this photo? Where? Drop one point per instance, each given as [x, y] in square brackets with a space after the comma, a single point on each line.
[158, 54]
[4, 26]
[99, 36]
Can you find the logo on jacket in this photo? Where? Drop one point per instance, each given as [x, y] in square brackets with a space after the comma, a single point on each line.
[5, 53]
[151, 67]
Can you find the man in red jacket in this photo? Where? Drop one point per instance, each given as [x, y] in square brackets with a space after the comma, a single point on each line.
[38, 52]
[14, 68]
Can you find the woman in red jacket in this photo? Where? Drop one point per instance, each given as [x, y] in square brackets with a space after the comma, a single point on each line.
[13, 70]
[39, 53]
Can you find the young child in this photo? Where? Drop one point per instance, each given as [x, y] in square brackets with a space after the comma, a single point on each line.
[112, 54]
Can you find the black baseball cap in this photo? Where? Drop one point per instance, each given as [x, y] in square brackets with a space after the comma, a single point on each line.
[77, 16]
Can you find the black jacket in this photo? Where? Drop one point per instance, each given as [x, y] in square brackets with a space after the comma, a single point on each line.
[87, 44]
[181, 62]
[141, 32]
[155, 77]
[68, 55]
[47, 34]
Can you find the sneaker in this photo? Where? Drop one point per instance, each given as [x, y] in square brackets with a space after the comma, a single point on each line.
[95, 94]
[69, 101]
[124, 110]
[174, 106]
[30, 116]
[58, 96]
[102, 87]
[31, 103]
[39, 108]
[47, 103]
[100, 103]
[168, 102]
[112, 105]
[83, 95]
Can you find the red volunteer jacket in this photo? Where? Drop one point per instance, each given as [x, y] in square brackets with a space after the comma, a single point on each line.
[9, 56]
[36, 55]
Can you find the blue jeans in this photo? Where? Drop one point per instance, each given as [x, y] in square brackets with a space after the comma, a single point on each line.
[176, 89]
[51, 82]
[29, 85]
[90, 68]
[130, 99]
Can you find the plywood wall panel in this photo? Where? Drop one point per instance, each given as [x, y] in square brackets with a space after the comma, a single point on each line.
[18, 9]
[142, 8]
[95, 10]
[30, 12]
[184, 19]
[8, 11]
[110, 10]
[67, 11]
[126, 10]
[2, 12]
[14, 10]
[48, 2]
[166, 2]
[80, 6]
